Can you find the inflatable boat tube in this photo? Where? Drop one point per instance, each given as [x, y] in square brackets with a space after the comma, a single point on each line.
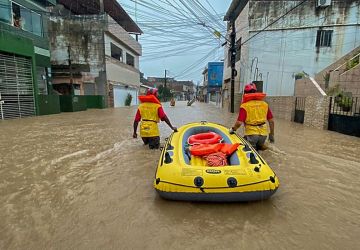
[181, 175]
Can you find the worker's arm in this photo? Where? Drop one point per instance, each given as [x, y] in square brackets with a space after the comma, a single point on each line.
[164, 118]
[136, 122]
[240, 121]
[237, 125]
[272, 127]
[135, 129]
[270, 119]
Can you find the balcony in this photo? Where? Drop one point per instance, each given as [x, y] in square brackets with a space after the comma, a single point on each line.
[122, 35]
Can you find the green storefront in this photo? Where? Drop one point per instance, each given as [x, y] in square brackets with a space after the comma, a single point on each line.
[25, 70]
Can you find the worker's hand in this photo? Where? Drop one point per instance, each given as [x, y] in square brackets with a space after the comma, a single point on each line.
[134, 135]
[271, 138]
[175, 129]
[231, 131]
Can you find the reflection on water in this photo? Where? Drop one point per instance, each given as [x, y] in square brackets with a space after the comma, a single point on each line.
[79, 180]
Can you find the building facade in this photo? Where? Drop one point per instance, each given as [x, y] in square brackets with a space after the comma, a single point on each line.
[99, 56]
[213, 82]
[313, 35]
[25, 72]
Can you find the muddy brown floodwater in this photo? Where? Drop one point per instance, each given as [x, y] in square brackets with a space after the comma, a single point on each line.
[79, 181]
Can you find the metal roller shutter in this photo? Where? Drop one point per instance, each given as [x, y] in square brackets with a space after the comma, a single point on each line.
[16, 86]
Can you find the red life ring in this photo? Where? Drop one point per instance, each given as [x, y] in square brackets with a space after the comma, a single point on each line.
[204, 138]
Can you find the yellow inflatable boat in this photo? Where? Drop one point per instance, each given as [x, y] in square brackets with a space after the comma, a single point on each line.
[182, 176]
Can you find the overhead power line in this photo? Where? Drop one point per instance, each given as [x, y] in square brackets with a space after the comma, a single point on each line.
[273, 22]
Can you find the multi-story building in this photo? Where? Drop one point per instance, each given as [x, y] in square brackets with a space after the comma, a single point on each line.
[95, 50]
[212, 82]
[277, 40]
[24, 56]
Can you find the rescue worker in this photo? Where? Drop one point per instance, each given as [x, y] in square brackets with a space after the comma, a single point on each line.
[150, 112]
[254, 112]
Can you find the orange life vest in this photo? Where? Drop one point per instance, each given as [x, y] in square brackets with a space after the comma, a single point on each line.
[207, 149]
[149, 116]
[256, 112]
[253, 96]
[149, 98]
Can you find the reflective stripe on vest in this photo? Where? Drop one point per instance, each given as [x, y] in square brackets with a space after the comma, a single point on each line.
[256, 116]
[149, 119]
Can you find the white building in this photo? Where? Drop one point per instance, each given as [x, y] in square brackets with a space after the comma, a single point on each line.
[122, 53]
[309, 38]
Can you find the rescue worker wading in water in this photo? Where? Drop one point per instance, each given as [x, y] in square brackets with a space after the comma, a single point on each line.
[150, 112]
[254, 112]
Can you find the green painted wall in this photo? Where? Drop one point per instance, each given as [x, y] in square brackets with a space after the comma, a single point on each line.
[12, 43]
[49, 104]
[42, 61]
[17, 41]
[95, 102]
[69, 103]
[22, 46]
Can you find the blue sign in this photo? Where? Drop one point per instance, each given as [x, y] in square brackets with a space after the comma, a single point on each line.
[215, 74]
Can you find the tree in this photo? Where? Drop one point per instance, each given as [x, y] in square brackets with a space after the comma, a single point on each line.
[128, 99]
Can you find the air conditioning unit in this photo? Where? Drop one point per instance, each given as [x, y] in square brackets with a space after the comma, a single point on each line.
[323, 3]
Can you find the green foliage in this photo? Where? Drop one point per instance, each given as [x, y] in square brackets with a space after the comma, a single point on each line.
[334, 91]
[164, 93]
[128, 99]
[299, 75]
[352, 63]
[345, 103]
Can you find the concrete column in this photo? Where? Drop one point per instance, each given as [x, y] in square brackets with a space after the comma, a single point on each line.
[317, 112]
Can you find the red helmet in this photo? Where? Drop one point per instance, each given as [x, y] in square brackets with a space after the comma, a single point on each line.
[250, 88]
[152, 91]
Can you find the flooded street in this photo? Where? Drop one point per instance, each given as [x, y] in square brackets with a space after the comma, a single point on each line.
[79, 181]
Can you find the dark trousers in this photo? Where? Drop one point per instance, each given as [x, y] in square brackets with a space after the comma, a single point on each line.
[154, 142]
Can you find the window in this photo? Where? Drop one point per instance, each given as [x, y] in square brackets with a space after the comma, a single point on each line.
[26, 19]
[5, 14]
[130, 60]
[323, 38]
[116, 52]
[36, 23]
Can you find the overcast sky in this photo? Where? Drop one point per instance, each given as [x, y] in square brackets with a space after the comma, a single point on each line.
[174, 40]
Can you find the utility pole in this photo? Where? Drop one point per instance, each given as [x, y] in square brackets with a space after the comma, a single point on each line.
[165, 79]
[70, 71]
[233, 70]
